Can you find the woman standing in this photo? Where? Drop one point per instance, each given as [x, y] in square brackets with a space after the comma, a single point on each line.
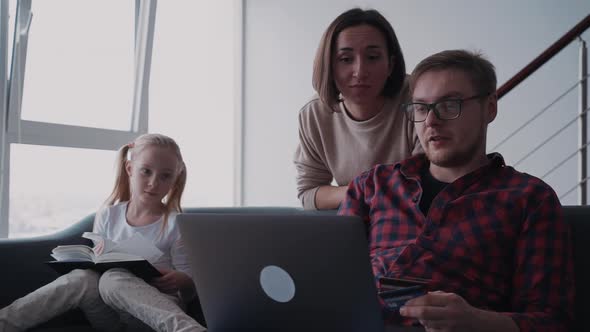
[355, 122]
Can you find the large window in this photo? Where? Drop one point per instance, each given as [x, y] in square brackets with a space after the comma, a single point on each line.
[82, 85]
[192, 93]
[79, 68]
[50, 187]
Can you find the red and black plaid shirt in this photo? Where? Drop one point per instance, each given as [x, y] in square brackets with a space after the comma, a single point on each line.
[494, 236]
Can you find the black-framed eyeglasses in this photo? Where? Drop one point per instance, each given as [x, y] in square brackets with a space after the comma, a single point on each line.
[447, 109]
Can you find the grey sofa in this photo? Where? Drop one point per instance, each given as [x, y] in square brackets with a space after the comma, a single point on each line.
[23, 270]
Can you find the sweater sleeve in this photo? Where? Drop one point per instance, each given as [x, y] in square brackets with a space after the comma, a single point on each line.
[312, 171]
[355, 202]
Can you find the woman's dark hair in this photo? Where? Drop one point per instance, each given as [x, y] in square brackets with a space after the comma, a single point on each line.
[323, 78]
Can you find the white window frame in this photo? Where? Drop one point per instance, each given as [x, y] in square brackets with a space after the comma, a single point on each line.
[13, 129]
[239, 79]
[3, 114]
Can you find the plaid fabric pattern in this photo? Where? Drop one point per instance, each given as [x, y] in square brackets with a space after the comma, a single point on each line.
[494, 236]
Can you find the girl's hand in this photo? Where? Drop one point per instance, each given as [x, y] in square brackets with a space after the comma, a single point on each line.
[98, 248]
[171, 281]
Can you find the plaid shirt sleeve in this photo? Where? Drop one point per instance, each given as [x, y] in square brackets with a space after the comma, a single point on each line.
[543, 285]
[355, 202]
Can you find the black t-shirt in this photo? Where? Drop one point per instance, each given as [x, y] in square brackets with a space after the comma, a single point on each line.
[430, 188]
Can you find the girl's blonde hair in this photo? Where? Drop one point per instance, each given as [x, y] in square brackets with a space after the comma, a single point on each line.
[122, 193]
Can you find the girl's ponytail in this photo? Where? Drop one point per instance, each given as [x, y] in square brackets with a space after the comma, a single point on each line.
[121, 190]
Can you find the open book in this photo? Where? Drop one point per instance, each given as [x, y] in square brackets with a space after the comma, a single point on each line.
[131, 254]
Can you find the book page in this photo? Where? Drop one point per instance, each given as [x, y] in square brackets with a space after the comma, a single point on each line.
[107, 245]
[75, 252]
[137, 247]
[117, 257]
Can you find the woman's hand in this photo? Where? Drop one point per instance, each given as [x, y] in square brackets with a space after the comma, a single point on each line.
[171, 281]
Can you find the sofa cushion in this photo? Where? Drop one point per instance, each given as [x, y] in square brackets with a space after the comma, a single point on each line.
[578, 218]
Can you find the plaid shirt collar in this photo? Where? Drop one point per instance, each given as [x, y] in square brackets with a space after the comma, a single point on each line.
[412, 167]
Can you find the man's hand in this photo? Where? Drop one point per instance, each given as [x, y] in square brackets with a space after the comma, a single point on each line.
[439, 311]
[171, 281]
[448, 312]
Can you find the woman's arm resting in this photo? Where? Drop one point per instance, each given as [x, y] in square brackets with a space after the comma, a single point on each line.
[330, 197]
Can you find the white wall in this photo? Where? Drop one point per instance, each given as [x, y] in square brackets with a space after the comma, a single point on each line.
[281, 37]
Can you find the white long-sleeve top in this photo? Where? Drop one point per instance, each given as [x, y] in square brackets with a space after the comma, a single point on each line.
[111, 223]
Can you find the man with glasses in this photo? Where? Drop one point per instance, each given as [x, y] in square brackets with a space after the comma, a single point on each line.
[491, 240]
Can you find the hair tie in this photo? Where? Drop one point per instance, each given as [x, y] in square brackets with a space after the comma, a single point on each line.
[131, 145]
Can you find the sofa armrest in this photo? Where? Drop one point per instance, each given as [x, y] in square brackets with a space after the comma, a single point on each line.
[22, 260]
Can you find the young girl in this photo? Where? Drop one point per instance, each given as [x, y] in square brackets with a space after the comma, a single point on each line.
[146, 198]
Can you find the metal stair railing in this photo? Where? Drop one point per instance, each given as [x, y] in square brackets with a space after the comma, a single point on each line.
[536, 116]
[550, 138]
[581, 118]
[565, 160]
[545, 56]
[584, 180]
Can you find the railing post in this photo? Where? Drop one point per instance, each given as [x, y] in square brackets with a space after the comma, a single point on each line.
[583, 124]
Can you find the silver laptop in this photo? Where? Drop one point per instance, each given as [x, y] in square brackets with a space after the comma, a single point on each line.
[282, 272]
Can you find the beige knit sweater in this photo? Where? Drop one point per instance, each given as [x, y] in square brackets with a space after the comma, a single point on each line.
[333, 146]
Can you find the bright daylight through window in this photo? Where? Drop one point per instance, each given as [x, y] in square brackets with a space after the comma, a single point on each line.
[79, 74]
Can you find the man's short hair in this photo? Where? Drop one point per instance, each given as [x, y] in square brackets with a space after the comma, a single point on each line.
[480, 70]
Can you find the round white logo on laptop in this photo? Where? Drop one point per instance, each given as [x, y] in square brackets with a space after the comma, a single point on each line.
[277, 284]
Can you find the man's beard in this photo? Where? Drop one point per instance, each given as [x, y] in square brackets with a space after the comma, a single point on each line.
[458, 158]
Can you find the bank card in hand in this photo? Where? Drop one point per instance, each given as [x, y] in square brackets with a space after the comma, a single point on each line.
[395, 292]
